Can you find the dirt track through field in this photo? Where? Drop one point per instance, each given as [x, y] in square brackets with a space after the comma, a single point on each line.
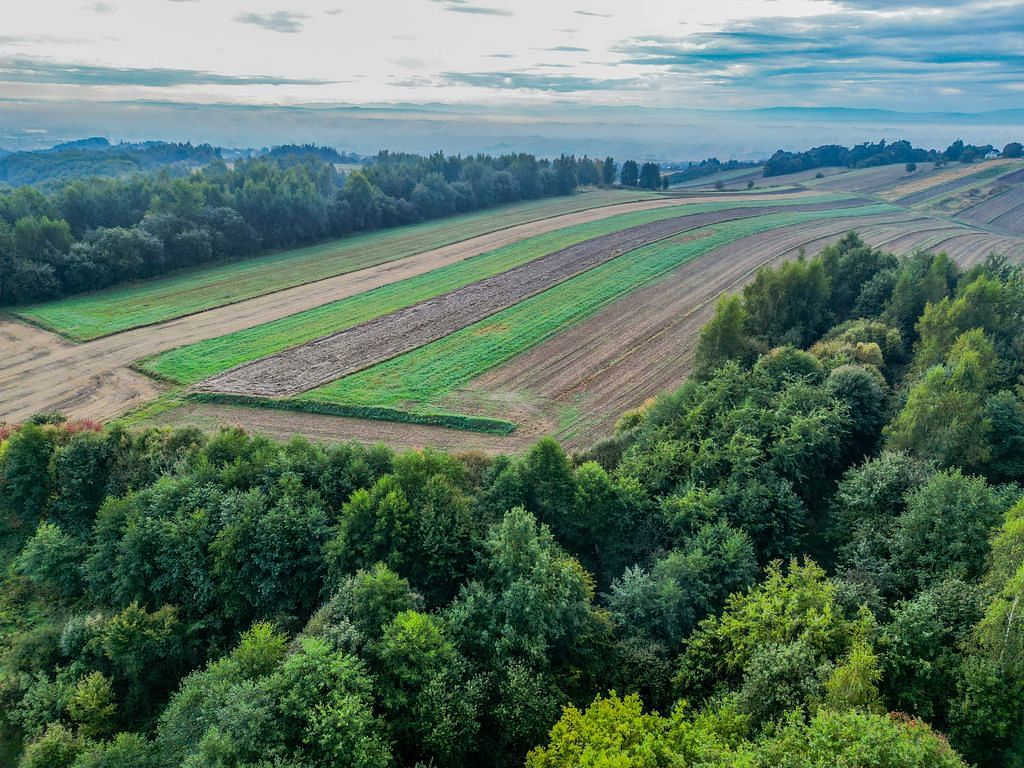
[318, 362]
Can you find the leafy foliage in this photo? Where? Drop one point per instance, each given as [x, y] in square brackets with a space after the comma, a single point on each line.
[823, 526]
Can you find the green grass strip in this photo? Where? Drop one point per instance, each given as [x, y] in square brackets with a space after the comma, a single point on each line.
[423, 376]
[93, 315]
[437, 419]
[195, 362]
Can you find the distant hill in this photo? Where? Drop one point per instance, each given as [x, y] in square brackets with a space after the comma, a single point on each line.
[96, 156]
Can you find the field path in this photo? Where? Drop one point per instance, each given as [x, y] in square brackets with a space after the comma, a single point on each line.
[43, 372]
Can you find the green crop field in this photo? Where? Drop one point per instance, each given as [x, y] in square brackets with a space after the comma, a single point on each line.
[192, 363]
[91, 316]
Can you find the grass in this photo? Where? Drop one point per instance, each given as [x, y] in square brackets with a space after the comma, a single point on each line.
[414, 381]
[93, 315]
[324, 408]
[195, 362]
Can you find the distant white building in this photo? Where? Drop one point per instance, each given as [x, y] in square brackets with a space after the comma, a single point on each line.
[993, 155]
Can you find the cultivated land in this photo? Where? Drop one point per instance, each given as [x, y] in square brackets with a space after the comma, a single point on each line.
[302, 368]
[188, 365]
[82, 318]
[564, 353]
[45, 372]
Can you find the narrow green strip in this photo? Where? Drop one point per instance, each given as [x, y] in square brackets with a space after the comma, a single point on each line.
[437, 419]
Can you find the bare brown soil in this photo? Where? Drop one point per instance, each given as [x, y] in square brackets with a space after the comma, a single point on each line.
[310, 365]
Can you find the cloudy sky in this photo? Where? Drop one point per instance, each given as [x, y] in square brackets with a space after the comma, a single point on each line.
[924, 55]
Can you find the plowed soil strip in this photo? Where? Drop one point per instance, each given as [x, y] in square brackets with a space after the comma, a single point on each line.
[318, 362]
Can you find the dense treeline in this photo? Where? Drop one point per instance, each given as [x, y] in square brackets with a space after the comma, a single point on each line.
[98, 157]
[93, 233]
[708, 167]
[822, 526]
[868, 155]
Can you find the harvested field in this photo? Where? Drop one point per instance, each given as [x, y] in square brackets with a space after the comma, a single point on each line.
[872, 181]
[310, 365]
[1012, 221]
[947, 187]
[91, 316]
[993, 207]
[708, 182]
[42, 370]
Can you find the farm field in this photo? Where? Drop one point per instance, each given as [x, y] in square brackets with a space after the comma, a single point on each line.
[43, 371]
[574, 384]
[435, 369]
[304, 367]
[91, 316]
[532, 358]
[917, 193]
[188, 365]
[892, 182]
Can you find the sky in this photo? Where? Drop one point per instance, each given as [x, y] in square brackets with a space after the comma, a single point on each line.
[939, 55]
[555, 56]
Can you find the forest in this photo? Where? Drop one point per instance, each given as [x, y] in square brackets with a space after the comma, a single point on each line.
[92, 233]
[809, 555]
[96, 156]
[868, 155]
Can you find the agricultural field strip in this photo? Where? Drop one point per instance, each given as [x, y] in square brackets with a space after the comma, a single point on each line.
[192, 363]
[946, 187]
[985, 211]
[431, 371]
[92, 316]
[891, 182]
[1012, 221]
[307, 366]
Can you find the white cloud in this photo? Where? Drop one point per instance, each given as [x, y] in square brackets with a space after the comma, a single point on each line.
[474, 51]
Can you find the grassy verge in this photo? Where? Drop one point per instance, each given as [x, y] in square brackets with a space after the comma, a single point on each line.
[324, 408]
[425, 375]
[102, 313]
[195, 362]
